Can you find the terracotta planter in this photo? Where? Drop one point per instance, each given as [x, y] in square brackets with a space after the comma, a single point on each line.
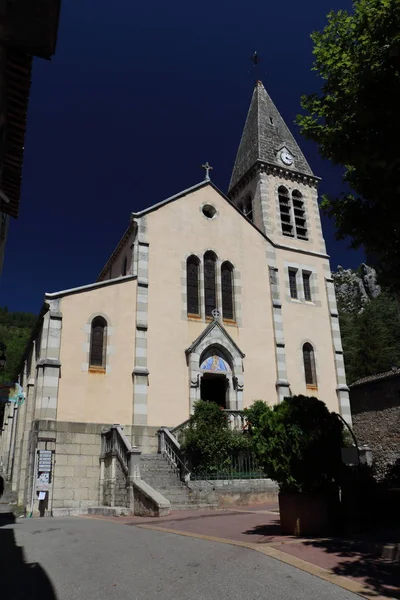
[307, 513]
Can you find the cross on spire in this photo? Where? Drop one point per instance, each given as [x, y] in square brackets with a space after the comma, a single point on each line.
[207, 169]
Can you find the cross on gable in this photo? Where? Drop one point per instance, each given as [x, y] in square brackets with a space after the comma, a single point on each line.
[207, 167]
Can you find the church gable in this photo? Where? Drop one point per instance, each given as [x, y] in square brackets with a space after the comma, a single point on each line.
[208, 210]
[202, 207]
[213, 334]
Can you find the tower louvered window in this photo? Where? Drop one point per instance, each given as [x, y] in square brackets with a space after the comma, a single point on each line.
[246, 207]
[210, 286]
[97, 357]
[299, 215]
[125, 266]
[285, 210]
[227, 291]
[192, 285]
[309, 365]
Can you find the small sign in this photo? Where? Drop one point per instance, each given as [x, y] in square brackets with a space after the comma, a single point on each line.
[44, 467]
[44, 460]
[42, 495]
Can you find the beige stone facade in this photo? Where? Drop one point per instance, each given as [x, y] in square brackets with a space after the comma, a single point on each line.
[128, 350]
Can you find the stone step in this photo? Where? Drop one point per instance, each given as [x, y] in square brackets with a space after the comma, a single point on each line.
[160, 475]
[157, 472]
[165, 485]
[167, 471]
[193, 506]
[174, 494]
[151, 457]
[162, 481]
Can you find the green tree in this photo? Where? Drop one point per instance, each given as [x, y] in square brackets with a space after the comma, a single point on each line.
[209, 443]
[298, 441]
[371, 338]
[15, 329]
[355, 121]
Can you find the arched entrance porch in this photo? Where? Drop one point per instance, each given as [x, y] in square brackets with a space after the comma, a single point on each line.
[216, 376]
[216, 368]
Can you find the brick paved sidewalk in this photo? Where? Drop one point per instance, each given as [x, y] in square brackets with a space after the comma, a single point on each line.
[258, 527]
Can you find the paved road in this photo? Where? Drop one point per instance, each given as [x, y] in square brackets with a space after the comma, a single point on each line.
[89, 559]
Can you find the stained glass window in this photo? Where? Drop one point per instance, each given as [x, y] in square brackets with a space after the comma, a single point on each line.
[210, 292]
[192, 285]
[227, 291]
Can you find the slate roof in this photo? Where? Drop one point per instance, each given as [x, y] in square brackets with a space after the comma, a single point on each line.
[265, 133]
[377, 377]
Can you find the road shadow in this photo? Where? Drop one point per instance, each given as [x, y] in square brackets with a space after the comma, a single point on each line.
[358, 559]
[20, 580]
[353, 560]
[268, 532]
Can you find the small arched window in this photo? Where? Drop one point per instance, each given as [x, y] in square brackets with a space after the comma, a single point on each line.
[227, 291]
[210, 286]
[192, 285]
[125, 266]
[309, 365]
[98, 342]
[285, 210]
[299, 215]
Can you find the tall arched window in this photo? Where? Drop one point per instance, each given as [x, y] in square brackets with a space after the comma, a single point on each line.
[309, 365]
[210, 286]
[227, 291]
[192, 285]
[98, 343]
[285, 210]
[299, 215]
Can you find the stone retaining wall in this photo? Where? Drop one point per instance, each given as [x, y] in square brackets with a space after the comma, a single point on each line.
[238, 492]
[76, 469]
[375, 407]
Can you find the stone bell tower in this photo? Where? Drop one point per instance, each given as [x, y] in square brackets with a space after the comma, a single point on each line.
[272, 182]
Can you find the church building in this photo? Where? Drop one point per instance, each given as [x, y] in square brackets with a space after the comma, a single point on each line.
[222, 297]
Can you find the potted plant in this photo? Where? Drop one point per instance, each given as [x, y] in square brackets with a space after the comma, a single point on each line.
[299, 443]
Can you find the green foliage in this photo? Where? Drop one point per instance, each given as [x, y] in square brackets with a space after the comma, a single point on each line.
[208, 443]
[355, 121]
[15, 329]
[299, 444]
[254, 415]
[371, 338]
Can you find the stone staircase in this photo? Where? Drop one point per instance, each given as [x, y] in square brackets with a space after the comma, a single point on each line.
[161, 475]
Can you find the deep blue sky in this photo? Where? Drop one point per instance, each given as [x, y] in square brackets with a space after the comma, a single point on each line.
[136, 98]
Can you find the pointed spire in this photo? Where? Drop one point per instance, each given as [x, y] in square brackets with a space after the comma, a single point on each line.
[265, 134]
